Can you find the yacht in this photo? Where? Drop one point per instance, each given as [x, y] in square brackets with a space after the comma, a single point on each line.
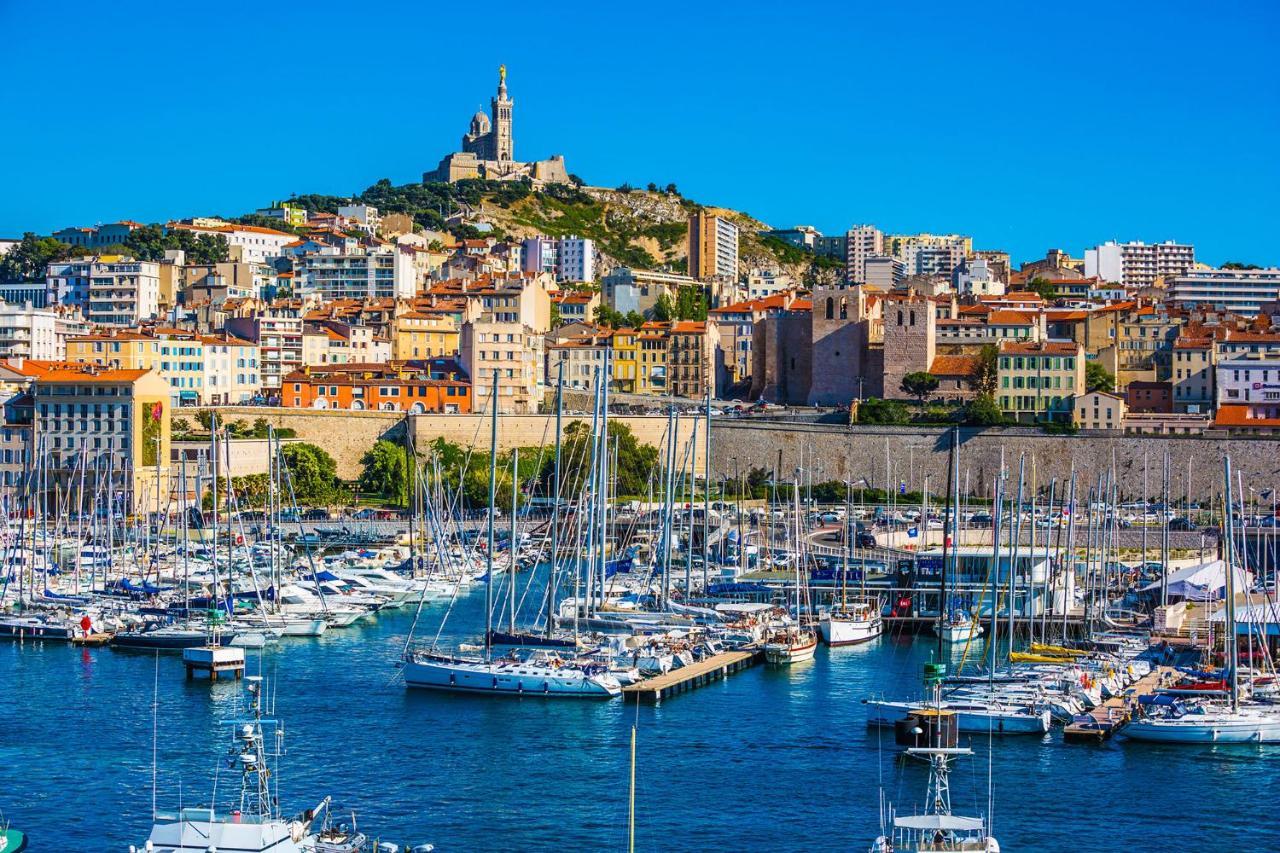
[789, 645]
[960, 628]
[973, 716]
[533, 672]
[855, 622]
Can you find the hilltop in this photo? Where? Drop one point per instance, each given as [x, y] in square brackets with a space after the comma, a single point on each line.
[631, 227]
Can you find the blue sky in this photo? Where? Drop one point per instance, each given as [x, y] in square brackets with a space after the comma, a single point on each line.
[1027, 125]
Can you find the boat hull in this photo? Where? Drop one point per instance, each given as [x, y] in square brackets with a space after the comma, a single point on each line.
[508, 679]
[849, 632]
[783, 654]
[1244, 730]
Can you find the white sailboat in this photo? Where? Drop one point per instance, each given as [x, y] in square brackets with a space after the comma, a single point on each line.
[856, 620]
[793, 643]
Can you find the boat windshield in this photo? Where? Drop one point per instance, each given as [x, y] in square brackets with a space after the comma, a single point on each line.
[203, 814]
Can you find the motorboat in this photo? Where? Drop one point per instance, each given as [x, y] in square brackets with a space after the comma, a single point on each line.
[853, 623]
[534, 672]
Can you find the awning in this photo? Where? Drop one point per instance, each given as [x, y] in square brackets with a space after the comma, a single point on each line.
[938, 821]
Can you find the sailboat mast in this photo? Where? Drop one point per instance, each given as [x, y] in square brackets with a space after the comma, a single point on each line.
[1228, 554]
[1013, 557]
[515, 498]
[555, 508]
[493, 489]
[949, 507]
[706, 496]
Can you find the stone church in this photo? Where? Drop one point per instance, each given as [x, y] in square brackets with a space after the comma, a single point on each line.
[488, 149]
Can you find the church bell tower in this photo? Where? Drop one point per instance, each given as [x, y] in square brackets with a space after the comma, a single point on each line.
[503, 142]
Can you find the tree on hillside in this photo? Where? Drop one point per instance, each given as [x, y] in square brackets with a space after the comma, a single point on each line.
[1098, 378]
[691, 303]
[920, 384]
[29, 260]
[150, 242]
[1237, 265]
[385, 473]
[986, 375]
[664, 310]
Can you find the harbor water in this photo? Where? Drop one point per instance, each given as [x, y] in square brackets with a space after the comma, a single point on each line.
[769, 759]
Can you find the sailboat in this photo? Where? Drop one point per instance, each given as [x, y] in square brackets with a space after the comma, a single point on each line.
[938, 829]
[536, 672]
[794, 642]
[1235, 722]
[956, 626]
[856, 620]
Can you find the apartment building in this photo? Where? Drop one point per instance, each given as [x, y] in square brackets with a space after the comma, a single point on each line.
[1242, 292]
[40, 333]
[1250, 380]
[361, 274]
[278, 336]
[567, 258]
[1039, 381]
[116, 420]
[98, 236]
[713, 247]
[375, 387]
[110, 290]
[418, 334]
[511, 350]
[640, 359]
[692, 358]
[335, 342]
[862, 243]
[231, 371]
[1100, 410]
[1194, 372]
[581, 360]
[1138, 264]
[249, 243]
[626, 289]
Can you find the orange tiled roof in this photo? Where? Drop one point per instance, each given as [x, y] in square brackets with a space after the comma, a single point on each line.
[954, 365]
[1040, 348]
[1236, 415]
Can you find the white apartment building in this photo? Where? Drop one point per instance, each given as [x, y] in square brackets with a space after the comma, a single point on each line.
[365, 216]
[109, 291]
[387, 273]
[566, 258]
[883, 272]
[976, 277]
[515, 351]
[1251, 380]
[39, 333]
[248, 243]
[279, 340]
[862, 242]
[713, 247]
[932, 259]
[1138, 264]
[1238, 291]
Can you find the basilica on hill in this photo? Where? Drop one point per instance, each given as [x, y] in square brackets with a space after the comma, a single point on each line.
[488, 149]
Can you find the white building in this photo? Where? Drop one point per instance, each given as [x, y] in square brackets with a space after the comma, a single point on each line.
[883, 272]
[1138, 264]
[931, 259]
[1238, 291]
[364, 215]
[976, 277]
[1252, 380]
[566, 258]
[109, 291]
[231, 371]
[246, 242]
[279, 340]
[862, 242]
[27, 332]
[374, 274]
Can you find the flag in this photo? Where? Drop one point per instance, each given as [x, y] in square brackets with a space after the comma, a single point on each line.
[913, 532]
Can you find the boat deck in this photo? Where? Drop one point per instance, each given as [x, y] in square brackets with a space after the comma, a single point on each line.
[100, 639]
[691, 677]
[1100, 723]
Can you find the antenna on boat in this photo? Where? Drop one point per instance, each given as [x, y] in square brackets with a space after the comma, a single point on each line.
[631, 811]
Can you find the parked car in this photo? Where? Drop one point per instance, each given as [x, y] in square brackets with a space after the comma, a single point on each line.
[866, 540]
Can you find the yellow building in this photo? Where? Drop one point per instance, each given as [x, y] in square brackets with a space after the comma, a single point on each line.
[416, 334]
[1040, 381]
[625, 368]
[1100, 410]
[653, 340]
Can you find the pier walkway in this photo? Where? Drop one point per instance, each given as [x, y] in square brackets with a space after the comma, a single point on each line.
[693, 676]
[1100, 723]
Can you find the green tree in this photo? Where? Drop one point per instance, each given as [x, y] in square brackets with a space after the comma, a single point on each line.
[181, 428]
[691, 303]
[204, 417]
[385, 472]
[30, 259]
[1237, 265]
[635, 461]
[983, 411]
[877, 411]
[312, 472]
[664, 309]
[1043, 287]
[633, 320]
[921, 384]
[986, 374]
[1098, 378]
[609, 317]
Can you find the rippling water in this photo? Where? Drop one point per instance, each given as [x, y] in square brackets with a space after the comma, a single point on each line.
[771, 759]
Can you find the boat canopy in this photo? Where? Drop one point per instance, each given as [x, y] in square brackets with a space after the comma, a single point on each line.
[928, 822]
[1202, 582]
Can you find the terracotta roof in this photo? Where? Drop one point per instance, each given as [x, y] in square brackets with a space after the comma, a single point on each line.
[688, 327]
[954, 365]
[1040, 348]
[89, 374]
[1007, 317]
[1236, 415]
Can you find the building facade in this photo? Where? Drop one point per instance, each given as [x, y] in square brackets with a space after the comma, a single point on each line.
[1138, 264]
[713, 247]
[1039, 381]
[1242, 292]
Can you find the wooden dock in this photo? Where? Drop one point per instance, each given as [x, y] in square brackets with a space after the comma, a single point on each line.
[1100, 723]
[691, 677]
[214, 660]
[100, 639]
